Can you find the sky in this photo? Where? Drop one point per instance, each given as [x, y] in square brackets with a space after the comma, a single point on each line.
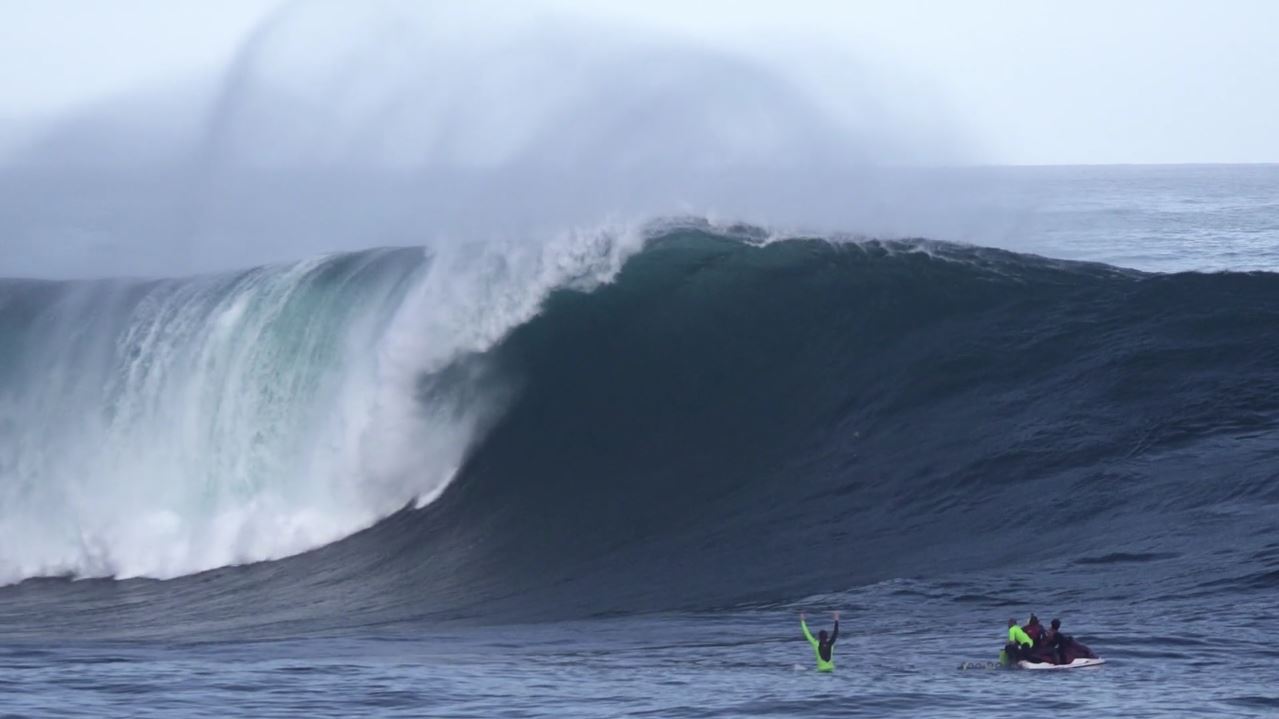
[1033, 82]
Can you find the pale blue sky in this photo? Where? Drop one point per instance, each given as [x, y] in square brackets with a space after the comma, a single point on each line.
[1042, 81]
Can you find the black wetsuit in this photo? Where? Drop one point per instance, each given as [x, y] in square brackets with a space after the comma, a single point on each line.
[824, 648]
[1055, 642]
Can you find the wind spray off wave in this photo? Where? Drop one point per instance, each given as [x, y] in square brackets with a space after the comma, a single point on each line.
[166, 427]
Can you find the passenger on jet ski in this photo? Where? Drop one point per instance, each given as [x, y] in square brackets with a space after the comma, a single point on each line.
[1056, 648]
[1066, 648]
[1019, 644]
[1052, 641]
[1035, 631]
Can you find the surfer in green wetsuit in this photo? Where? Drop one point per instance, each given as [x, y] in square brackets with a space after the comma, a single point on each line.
[1019, 644]
[823, 646]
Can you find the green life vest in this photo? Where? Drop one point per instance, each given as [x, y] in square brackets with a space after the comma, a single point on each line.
[1019, 635]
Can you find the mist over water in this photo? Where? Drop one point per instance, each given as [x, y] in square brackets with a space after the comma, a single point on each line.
[340, 126]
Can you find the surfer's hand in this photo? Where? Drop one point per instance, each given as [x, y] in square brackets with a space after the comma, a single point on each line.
[836, 615]
[803, 616]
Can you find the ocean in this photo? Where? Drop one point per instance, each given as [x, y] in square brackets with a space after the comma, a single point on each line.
[601, 476]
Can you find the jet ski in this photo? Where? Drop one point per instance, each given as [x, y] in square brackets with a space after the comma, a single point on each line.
[1075, 655]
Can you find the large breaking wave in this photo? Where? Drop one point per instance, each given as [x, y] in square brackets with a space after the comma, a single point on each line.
[718, 417]
[166, 427]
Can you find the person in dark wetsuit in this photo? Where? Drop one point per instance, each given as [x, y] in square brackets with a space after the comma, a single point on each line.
[1035, 631]
[1054, 642]
[1066, 648]
[823, 646]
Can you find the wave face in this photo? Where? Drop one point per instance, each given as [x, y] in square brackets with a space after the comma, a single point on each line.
[733, 422]
[729, 420]
[168, 427]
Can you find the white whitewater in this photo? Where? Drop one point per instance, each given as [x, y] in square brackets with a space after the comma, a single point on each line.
[160, 429]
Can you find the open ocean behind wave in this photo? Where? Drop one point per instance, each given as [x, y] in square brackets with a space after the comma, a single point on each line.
[601, 477]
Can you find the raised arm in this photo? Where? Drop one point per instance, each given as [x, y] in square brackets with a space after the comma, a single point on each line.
[807, 634]
[835, 634]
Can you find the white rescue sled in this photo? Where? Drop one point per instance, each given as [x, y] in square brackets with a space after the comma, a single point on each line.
[1079, 663]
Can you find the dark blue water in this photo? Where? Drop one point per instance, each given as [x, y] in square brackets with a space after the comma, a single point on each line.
[930, 438]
